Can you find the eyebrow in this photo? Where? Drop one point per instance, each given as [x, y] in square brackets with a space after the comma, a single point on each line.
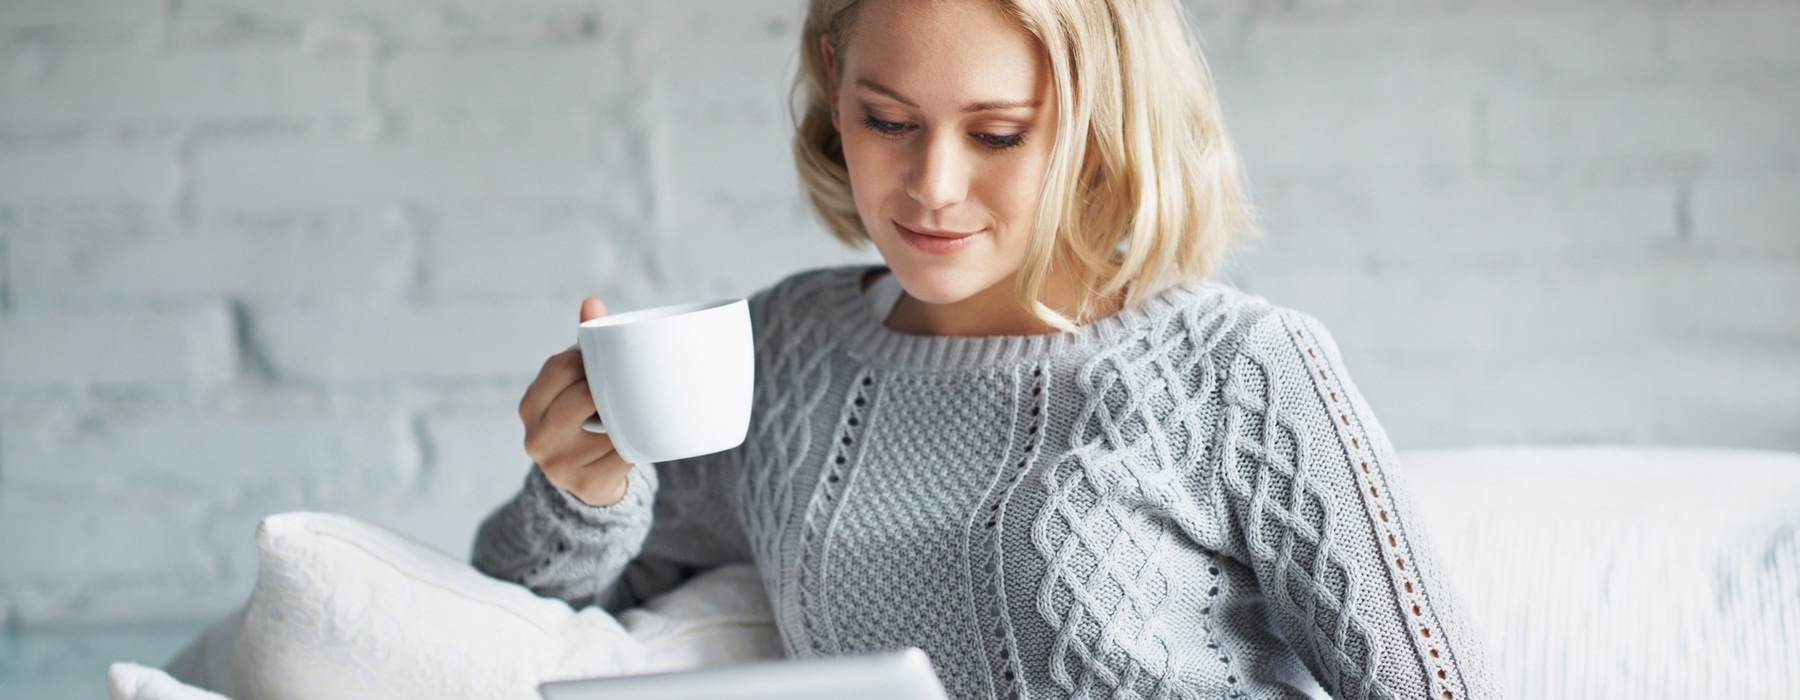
[976, 107]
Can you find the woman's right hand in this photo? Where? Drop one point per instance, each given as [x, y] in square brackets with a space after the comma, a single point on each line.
[553, 409]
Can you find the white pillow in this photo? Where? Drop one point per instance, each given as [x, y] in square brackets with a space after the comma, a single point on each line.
[1629, 573]
[129, 681]
[344, 609]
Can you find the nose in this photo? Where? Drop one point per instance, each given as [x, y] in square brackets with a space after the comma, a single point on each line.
[940, 173]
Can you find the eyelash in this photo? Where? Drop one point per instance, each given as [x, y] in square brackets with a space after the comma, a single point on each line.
[992, 141]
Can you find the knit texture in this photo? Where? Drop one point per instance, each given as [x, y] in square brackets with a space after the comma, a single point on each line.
[1188, 499]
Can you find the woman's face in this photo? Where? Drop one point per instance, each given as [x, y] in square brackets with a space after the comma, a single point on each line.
[947, 117]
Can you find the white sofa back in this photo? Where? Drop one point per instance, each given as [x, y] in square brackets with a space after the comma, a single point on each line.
[1637, 573]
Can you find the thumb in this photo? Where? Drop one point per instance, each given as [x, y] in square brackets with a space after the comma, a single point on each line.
[592, 308]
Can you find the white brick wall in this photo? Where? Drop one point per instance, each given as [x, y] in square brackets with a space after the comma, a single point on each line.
[144, 82]
[175, 352]
[88, 171]
[98, 264]
[262, 255]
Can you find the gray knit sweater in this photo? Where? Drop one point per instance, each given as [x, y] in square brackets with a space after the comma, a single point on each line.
[1188, 499]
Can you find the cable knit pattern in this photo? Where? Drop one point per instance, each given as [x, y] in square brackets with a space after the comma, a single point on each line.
[1188, 499]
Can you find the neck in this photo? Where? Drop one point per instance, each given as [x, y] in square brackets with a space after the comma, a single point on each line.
[996, 311]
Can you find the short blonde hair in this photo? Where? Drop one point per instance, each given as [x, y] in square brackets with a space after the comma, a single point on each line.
[1154, 198]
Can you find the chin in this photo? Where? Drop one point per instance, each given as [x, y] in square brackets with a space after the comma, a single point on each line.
[944, 279]
[940, 284]
[935, 291]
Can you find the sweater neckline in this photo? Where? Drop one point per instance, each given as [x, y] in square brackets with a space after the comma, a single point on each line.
[867, 337]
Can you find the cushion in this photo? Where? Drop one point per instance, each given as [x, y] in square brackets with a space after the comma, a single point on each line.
[1623, 572]
[129, 681]
[343, 609]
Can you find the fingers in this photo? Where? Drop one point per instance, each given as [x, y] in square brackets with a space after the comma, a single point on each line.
[570, 409]
[591, 309]
[560, 450]
[553, 409]
[563, 457]
[558, 437]
[567, 453]
[560, 371]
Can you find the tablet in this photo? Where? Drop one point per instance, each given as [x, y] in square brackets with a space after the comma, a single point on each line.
[894, 675]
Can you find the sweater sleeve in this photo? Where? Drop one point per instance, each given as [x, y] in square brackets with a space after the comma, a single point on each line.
[675, 521]
[1326, 522]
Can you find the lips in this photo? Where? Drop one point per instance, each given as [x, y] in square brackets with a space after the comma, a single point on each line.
[934, 241]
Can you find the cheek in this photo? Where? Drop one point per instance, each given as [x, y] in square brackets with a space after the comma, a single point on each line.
[1015, 191]
[871, 164]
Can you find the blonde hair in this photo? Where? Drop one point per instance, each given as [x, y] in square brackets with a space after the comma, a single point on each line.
[1154, 197]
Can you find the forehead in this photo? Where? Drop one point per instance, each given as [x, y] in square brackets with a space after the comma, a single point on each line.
[944, 49]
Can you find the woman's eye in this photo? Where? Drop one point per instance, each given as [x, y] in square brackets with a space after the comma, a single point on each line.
[1000, 142]
[883, 127]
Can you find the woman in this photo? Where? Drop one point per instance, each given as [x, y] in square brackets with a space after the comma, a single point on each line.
[1036, 443]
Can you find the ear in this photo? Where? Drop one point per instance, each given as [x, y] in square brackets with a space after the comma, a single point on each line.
[831, 77]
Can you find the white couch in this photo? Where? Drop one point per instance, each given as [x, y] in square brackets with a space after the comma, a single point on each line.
[1592, 572]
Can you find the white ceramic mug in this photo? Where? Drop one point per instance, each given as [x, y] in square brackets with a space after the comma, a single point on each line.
[671, 382]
